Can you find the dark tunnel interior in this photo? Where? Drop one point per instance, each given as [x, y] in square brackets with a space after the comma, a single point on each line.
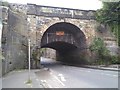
[71, 46]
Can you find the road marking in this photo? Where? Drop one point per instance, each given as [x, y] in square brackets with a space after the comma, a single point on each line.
[49, 86]
[59, 81]
[102, 73]
[51, 73]
[108, 74]
[39, 83]
[58, 78]
[43, 81]
[61, 77]
[115, 75]
[88, 71]
[37, 79]
[81, 70]
[3, 78]
[45, 84]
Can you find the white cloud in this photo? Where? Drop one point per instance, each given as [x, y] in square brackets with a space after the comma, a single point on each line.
[76, 4]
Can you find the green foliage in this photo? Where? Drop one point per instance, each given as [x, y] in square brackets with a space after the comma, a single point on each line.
[35, 54]
[109, 15]
[99, 48]
[103, 55]
[109, 12]
[29, 81]
[115, 59]
[97, 43]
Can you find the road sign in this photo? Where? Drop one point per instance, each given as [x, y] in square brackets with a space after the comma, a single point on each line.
[60, 33]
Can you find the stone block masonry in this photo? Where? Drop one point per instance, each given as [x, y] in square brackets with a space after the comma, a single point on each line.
[20, 21]
[14, 41]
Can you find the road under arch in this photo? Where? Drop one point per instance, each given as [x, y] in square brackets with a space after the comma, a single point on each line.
[68, 41]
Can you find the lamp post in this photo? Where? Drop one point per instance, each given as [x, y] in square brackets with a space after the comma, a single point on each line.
[29, 56]
[29, 61]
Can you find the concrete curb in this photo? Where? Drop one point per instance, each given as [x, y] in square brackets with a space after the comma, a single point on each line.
[93, 67]
[101, 68]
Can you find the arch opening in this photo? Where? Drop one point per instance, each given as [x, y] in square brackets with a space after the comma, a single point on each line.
[68, 41]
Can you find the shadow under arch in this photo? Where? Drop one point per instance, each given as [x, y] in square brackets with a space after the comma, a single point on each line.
[70, 47]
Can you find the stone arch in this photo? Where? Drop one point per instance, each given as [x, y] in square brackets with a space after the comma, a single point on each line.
[46, 26]
[68, 28]
[72, 50]
[54, 21]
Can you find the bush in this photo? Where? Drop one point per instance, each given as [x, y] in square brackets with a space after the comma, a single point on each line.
[115, 59]
[102, 53]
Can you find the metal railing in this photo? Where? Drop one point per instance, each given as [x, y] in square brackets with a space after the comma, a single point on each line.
[52, 37]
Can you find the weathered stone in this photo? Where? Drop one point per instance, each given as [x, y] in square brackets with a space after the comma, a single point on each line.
[14, 44]
[21, 22]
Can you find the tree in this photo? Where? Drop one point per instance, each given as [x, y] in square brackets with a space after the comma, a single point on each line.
[109, 15]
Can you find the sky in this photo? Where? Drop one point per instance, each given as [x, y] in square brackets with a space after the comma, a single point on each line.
[75, 4]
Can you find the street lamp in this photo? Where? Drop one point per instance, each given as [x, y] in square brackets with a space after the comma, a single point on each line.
[28, 19]
[29, 56]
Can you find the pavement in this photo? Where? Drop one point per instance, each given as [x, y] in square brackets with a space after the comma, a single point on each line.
[42, 78]
[49, 79]
[0, 83]
[20, 79]
[80, 77]
[100, 67]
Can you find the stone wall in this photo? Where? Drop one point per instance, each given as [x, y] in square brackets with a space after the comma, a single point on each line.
[20, 8]
[14, 41]
[42, 23]
[40, 18]
[49, 53]
[21, 21]
[4, 17]
[0, 41]
[109, 38]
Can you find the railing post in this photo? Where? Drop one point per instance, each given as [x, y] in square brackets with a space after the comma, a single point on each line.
[47, 37]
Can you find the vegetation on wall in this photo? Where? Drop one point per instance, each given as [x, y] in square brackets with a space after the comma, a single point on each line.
[103, 55]
[36, 54]
[109, 15]
[98, 47]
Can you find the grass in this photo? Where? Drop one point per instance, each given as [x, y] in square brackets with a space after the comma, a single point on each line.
[29, 81]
